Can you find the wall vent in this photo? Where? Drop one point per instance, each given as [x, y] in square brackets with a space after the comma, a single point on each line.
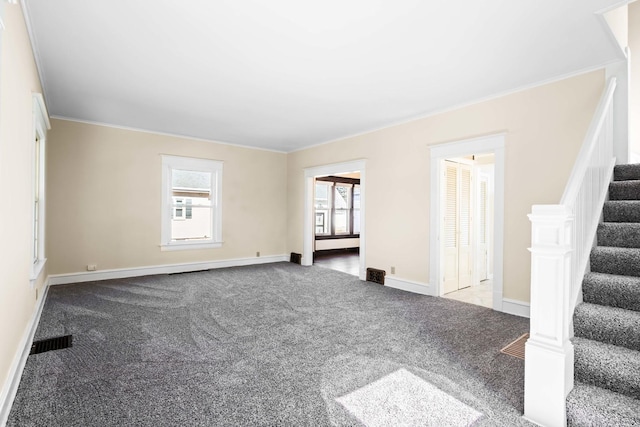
[296, 258]
[49, 344]
[376, 276]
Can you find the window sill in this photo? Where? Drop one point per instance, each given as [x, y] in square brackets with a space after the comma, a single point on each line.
[185, 246]
[337, 236]
[36, 270]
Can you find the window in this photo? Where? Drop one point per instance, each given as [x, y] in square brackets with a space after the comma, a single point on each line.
[337, 207]
[40, 126]
[323, 208]
[191, 203]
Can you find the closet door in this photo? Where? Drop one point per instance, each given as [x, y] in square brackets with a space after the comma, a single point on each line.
[458, 253]
[465, 251]
[451, 227]
[483, 229]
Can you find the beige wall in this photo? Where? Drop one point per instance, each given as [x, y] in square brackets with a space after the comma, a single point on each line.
[544, 129]
[18, 80]
[105, 198]
[634, 86]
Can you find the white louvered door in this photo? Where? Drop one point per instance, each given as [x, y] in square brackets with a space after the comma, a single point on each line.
[483, 229]
[465, 251]
[458, 253]
[451, 227]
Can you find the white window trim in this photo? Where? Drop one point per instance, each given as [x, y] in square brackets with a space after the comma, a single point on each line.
[202, 165]
[40, 126]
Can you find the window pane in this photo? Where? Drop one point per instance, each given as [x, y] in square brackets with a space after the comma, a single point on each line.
[356, 221]
[322, 195]
[342, 222]
[356, 197]
[192, 180]
[322, 208]
[197, 228]
[322, 222]
[343, 197]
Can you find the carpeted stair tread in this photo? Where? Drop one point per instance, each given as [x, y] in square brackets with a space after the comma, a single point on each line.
[608, 366]
[588, 405]
[611, 260]
[622, 211]
[609, 325]
[619, 234]
[626, 172]
[612, 290]
[624, 190]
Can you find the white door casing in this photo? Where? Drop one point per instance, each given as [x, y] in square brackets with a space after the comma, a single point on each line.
[488, 144]
[308, 218]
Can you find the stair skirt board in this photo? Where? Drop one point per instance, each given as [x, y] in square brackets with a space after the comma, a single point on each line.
[607, 323]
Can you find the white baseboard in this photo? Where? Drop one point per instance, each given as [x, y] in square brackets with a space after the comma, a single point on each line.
[409, 286]
[515, 307]
[10, 387]
[121, 273]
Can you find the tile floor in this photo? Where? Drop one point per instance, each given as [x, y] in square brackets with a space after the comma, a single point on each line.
[481, 294]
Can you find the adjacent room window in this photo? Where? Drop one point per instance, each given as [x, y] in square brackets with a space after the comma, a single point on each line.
[323, 208]
[191, 203]
[337, 207]
[40, 126]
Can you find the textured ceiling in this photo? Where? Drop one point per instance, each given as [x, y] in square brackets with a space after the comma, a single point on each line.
[287, 74]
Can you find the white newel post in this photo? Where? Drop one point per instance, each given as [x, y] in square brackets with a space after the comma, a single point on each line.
[548, 374]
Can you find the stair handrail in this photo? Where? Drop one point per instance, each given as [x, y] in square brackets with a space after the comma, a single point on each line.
[581, 164]
[561, 239]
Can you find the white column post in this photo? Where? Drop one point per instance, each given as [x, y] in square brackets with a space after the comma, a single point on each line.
[548, 375]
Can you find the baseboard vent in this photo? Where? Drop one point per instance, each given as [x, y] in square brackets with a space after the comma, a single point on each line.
[376, 276]
[188, 272]
[516, 348]
[49, 344]
[296, 258]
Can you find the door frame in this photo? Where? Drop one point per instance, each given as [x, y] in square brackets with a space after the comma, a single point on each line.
[308, 220]
[487, 144]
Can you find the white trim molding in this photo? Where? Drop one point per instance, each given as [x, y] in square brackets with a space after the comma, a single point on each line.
[121, 273]
[10, 387]
[515, 307]
[487, 144]
[307, 224]
[409, 285]
[41, 125]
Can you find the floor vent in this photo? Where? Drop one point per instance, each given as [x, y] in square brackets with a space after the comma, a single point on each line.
[516, 348]
[49, 344]
[376, 276]
[187, 272]
[296, 258]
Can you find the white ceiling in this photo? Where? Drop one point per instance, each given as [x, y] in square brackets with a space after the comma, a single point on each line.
[287, 74]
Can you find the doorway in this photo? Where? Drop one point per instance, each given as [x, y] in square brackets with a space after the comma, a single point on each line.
[467, 210]
[311, 221]
[337, 222]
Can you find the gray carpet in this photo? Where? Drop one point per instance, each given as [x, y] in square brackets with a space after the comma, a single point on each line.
[607, 324]
[268, 345]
